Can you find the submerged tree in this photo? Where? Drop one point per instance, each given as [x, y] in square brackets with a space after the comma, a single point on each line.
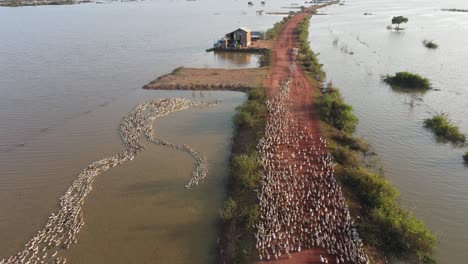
[399, 20]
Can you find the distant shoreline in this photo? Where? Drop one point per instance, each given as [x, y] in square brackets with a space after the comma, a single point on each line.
[18, 3]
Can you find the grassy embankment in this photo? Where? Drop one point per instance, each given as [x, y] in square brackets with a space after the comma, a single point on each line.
[383, 224]
[407, 81]
[441, 125]
[430, 44]
[241, 208]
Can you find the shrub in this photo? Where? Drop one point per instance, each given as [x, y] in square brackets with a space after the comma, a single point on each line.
[333, 110]
[350, 141]
[244, 119]
[246, 166]
[257, 94]
[265, 59]
[273, 33]
[403, 233]
[441, 125]
[430, 44]
[407, 80]
[249, 114]
[346, 157]
[388, 226]
[373, 190]
[308, 58]
[250, 215]
[229, 208]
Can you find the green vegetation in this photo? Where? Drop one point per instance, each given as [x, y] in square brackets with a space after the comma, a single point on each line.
[250, 114]
[333, 110]
[465, 157]
[441, 125]
[241, 209]
[246, 167]
[274, 32]
[265, 59]
[308, 58]
[407, 80]
[383, 225]
[399, 20]
[229, 208]
[430, 44]
[387, 225]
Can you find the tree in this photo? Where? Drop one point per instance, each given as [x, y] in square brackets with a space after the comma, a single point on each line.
[399, 20]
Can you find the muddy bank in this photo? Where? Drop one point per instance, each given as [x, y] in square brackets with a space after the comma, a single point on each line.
[209, 79]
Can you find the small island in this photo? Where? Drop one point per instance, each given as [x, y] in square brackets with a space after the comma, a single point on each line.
[441, 125]
[407, 81]
[430, 44]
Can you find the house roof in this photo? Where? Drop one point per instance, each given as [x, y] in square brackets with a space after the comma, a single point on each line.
[246, 29]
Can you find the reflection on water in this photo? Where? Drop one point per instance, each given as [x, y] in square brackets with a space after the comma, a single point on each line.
[429, 174]
[69, 74]
[143, 211]
[238, 59]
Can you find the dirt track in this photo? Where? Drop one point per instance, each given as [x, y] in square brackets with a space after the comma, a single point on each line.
[302, 94]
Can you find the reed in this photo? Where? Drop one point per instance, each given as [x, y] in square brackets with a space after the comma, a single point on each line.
[441, 125]
[430, 44]
[407, 80]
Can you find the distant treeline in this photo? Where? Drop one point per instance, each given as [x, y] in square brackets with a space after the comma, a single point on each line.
[454, 10]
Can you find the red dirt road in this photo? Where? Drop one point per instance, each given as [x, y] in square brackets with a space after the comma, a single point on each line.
[303, 111]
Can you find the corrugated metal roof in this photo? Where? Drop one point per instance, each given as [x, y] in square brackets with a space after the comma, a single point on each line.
[246, 29]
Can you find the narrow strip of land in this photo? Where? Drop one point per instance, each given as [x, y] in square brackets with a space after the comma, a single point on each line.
[209, 79]
[305, 218]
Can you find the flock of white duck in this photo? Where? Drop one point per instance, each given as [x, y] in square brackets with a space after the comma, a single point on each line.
[62, 227]
[301, 203]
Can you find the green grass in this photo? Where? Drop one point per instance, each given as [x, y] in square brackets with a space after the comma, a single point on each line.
[265, 59]
[246, 166]
[228, 210]
[333, 110]
[237, 230]
[441, 125]
[307, 57]
[383, 225]
[407, 80]
[430, 44]
[386, 225]
[273, 33]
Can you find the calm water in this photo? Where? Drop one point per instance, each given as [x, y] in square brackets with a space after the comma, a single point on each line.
[69, 74]
[430, 176]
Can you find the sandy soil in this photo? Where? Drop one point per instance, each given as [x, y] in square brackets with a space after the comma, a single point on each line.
[209, 79]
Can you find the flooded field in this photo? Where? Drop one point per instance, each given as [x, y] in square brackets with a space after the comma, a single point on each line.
[69, 76]
[430, 175]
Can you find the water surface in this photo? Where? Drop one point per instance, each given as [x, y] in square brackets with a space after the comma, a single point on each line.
[430, 175]
[69, 74]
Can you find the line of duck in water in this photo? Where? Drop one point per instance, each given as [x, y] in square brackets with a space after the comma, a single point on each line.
[62, 227]
[301, 203]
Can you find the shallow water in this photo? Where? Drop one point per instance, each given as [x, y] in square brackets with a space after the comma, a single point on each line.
[69, 75]
[429, 174]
